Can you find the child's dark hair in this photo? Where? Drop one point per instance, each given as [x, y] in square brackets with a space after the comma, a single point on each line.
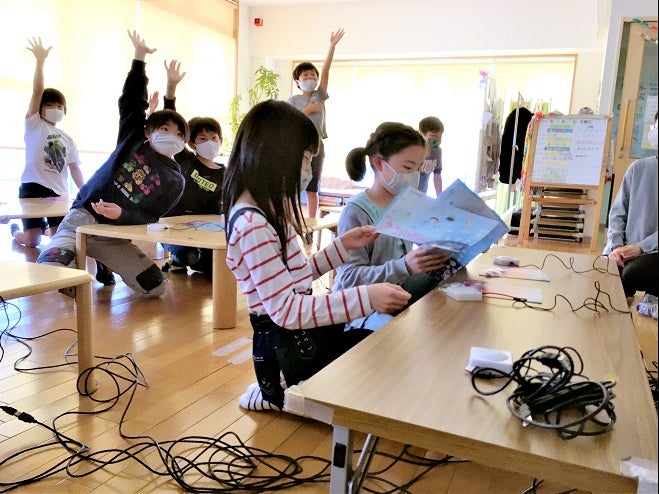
[198, 125]
[431, 124]
[266, 161]
[159, 118]
[52, 95]
[388, 139]
[301, 67]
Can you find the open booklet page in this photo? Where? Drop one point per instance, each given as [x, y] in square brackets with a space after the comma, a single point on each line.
[457, 221]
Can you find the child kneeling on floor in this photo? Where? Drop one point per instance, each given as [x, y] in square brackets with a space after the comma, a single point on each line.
[295, 333]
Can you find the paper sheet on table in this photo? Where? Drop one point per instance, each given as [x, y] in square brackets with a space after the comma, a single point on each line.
[457, 220]
[519, 273]
[505, 290]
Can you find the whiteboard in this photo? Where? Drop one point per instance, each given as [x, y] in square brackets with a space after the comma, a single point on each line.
[570, 150]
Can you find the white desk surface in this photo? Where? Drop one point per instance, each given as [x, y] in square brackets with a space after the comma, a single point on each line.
[407, 382]
[20, 279]
[15, 208]
[224, 291]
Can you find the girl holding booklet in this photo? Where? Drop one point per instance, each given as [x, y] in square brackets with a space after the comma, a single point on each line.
[395, 152]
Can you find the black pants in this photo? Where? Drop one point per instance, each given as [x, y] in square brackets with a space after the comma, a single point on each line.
[640, 274]
[298, 354]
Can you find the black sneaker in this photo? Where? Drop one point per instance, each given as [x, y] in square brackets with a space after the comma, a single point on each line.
[69, 291]
[104, 275]
[173, 267]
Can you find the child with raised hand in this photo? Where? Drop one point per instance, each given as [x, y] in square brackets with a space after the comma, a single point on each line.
[295, 333]
[395, 152]
[312, 103]
[139, 183]
[50, 153]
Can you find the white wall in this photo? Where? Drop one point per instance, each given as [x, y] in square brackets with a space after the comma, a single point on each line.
[429, 28]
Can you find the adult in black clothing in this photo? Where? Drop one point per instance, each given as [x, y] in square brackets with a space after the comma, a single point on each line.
[508, 139]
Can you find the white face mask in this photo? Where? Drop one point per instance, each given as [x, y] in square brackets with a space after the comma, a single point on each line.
[398, 182]
[305, 179]
[53, 114]
[208, 149]
[308, 85]
[652, 137]
[167, 144]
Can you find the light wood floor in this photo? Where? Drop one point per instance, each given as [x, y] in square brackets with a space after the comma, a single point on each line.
[192, 390]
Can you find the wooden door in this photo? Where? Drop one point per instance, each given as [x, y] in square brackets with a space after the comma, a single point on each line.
[638, 102]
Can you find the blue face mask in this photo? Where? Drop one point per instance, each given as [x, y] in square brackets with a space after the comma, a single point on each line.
[400, 180]
[305, 179]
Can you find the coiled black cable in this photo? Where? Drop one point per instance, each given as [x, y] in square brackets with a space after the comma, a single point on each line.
[552, 392]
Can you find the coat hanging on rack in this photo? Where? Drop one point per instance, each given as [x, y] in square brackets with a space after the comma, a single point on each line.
[508, 147]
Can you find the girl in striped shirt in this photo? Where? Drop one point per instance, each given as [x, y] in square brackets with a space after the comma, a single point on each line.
[295, 333]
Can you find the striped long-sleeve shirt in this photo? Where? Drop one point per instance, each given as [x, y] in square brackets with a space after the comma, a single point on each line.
[284, 292]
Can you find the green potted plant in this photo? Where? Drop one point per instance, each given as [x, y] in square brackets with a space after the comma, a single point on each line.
[264, 87]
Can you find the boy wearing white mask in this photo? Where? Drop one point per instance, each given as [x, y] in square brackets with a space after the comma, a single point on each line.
[203, 179]
[139, 183]
[312, 103]
[50, 153]
[633, 220]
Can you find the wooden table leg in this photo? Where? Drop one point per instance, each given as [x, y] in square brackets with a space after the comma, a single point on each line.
[81, 251]
[85, 334]
[84, 317]
[224, 292]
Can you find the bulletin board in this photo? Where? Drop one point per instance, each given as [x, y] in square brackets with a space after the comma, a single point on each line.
[569, 150]
[566, 151]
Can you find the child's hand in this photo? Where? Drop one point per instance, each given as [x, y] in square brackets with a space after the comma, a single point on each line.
[313, 107]
[386, 297]
[425, 260]
[153, 101]
[336, 36]
[358, 237]
[108, 209]
[173, 69]
[141, 50]
[36, 47]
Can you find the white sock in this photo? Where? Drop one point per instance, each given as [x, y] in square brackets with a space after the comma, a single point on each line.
[252, 399]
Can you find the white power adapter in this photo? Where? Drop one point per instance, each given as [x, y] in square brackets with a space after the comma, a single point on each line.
[505, 261]
[156, 227]
[458, 291]
[488, 357]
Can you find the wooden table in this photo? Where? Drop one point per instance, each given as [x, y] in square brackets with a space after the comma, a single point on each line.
[407, 382]
[20, 279]
[224, 291]
[328, 222]
[34, 208]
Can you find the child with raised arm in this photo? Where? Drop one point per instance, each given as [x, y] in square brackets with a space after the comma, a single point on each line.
[203, 179]
[50, 153]
[295, 333]
[139, 183]
[312, 103]
[395, 152]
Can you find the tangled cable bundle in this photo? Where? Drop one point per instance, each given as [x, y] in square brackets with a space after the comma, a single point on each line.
[553, 393]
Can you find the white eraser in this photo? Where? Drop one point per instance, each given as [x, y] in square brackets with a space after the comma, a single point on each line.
[156, 227]
[487, 357]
